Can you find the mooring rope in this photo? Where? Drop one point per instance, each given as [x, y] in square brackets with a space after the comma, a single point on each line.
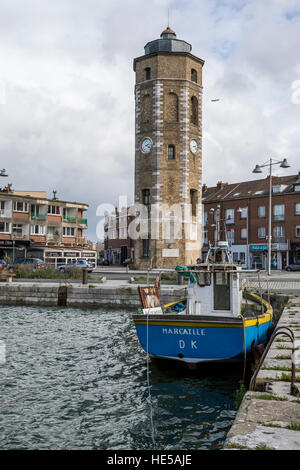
[149, 388]
[245, 350]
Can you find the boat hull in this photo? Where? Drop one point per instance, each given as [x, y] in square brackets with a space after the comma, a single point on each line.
[192, 340]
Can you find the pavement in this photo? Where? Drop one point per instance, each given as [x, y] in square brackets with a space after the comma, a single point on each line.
[279, 281]
[269, 417]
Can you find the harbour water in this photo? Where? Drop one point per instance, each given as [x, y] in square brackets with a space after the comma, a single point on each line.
[77, 379]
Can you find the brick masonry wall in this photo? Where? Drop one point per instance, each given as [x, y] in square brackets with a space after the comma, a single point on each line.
[169, 181]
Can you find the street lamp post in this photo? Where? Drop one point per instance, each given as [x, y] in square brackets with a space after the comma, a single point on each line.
[258, 169]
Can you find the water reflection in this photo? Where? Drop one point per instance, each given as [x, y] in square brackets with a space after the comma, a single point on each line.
[77, 379]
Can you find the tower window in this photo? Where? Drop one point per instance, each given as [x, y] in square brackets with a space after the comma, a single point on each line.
[146, 109]
[194, 75]
[193, 201]
[146, 247]
[147, 73]
[171, 152]
[171, 107]
[146, 199]
[194, 110]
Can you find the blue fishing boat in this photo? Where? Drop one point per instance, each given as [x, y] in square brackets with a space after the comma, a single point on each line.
[217, 321]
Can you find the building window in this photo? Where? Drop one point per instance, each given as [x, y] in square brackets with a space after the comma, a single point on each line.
[229, 216]
[17, 228]
[244, 212]
[35, 209]
[261, 232]
[147, 73]
[298, 208]
[37, 229]
[261, 211]
[4, 227]
[243, 234]
[194, 201]
[20, 206]
[194, 75]
[278, 212]
[171, 152]
[171, 107]
[69, 231]
[194, 110]
[298, 231]
[279, 233]
[54, 210]
[145, 247]
[230, 235]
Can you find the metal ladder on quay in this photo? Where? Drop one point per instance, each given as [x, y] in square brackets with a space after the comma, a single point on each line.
[281, 330]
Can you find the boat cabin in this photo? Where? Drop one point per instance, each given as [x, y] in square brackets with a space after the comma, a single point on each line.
[214, 287]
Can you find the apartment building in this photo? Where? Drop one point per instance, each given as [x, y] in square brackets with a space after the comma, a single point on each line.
[118, 246]
[31, 225]
[244, 214]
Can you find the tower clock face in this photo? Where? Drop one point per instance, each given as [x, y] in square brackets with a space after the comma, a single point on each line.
[193, 146]
[146, 145]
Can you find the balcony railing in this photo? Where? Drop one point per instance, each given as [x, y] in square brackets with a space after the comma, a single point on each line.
[74, 220]
[70, 219]
[81, 241]
[19, 236]
[39, 217]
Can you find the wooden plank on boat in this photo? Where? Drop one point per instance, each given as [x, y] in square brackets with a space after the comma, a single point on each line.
[150, 296]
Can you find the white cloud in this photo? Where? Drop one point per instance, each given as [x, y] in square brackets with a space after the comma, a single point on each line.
[68, 118]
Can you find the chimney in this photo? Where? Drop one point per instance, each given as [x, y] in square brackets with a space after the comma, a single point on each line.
[221, 185]
[204, 188]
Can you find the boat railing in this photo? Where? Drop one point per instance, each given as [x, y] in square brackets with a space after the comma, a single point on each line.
[281, 330]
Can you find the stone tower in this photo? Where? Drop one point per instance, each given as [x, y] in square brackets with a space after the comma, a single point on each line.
[168, 153]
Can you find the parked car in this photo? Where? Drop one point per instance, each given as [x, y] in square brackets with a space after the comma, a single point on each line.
[78, 263]
[35, 262]
[102, 262]
[293, 266]
[3, 264]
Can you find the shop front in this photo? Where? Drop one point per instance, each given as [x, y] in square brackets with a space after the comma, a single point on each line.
[259, 255]
[294, 252]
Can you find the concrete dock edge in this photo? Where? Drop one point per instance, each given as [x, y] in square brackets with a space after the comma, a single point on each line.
[269, 418]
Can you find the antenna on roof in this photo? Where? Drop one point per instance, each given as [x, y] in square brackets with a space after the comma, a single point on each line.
[168, 17]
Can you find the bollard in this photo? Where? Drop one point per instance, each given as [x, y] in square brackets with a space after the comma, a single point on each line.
[84, 276]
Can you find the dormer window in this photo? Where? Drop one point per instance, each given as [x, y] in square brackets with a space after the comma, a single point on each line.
[297, 187]
[278, 188]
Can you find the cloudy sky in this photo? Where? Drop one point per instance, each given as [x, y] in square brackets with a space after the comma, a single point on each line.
[67, 89]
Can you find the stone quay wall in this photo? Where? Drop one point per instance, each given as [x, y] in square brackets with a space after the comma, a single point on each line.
[79, 296]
